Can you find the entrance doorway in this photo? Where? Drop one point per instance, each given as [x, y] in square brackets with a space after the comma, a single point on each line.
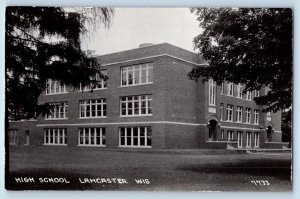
[269, 134]
[212, 130]
[26, 137]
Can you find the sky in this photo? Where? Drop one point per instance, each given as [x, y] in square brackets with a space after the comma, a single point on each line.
[131, 27]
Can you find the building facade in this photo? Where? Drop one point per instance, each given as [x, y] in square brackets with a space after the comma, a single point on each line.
[148, 101]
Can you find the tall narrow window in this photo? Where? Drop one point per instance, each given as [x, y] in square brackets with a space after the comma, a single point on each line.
[136, 105]
[55, 87]
[248, 139]
[239, 91]
[137, 74]
[240, 138]
[58, 110]
[255, 116]
[212, 92]
[13, 136]
[221, 111]
[230, 135]
[239, 113]
[92, 108]
[222, 88]
[229, 112]
[230, 89]
[249, 95]
[248, 115]
[256, 139]
[222, 134]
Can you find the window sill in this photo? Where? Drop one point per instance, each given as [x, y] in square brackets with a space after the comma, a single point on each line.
[122, 116]
[139, 147]
[96, 146]
[83, 118]
[124, 86]
[55, 144]
[89, 90]
[57, 119]
[55, 93]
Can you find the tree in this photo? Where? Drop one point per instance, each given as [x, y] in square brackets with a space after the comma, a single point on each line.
[286, 126]
[44, 43]
[249, 46]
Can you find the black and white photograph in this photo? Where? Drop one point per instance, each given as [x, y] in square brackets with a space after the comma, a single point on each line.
[149, 98]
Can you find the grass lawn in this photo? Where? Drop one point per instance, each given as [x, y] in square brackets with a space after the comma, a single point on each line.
[170, 170]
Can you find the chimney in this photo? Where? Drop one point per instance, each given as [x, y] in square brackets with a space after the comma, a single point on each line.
[145, 45]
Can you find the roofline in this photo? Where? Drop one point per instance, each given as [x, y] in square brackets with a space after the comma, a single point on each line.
[99, 56]
[154, 56]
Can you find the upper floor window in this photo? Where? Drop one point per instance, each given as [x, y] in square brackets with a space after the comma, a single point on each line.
[239, 113]
[239, 91]
[58, 110]
[230, 89]
[229, 112]
[55, 87]
[222, 88]
[101, 83]
[248, 115]
[212, 92]
[136, 105]
[256, 93]
[221, 111]
[137, 74]
[92, 108]
[249, 95]
[255, 115]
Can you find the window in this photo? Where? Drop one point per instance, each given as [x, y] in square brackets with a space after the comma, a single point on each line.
[221, 111]
[55, 87]
[136, 105]
[91, 136]
[256, 93]
[248, 115]
[240, 139]
[13, 136]
[230, 89]
[249, 95]
[135, 136]
[222, 134]
[222, 88]
[229, 112]
[248, 139]
[137, 74]
[255, 116]
[101, 83]
[239, 91]
[269, 113]
[239, 113]
[92, 108]
[230, 135]
[212, 92]
[56, 136]
[256, 139]
[58, 110]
